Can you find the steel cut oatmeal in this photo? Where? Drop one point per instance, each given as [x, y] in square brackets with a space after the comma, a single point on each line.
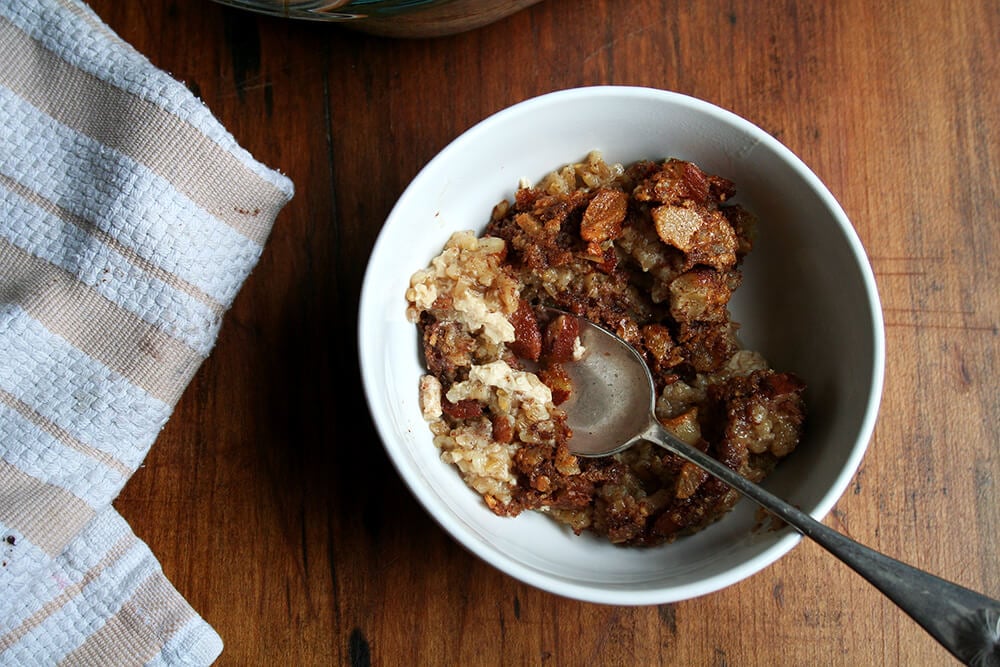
[651, 251]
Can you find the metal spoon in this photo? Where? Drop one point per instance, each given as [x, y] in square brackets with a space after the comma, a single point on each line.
[612, 408]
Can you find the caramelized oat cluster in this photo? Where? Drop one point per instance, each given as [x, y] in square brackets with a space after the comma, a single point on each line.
[651, 252]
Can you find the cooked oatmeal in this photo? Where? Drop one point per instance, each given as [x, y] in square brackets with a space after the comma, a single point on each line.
[651, 251]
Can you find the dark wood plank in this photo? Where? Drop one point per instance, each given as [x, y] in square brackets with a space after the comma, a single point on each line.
[268, 498]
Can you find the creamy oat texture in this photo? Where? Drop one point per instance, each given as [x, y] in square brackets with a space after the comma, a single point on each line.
[466, 281]
[650, 251]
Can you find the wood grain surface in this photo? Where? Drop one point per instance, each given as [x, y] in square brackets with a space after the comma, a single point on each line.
[268, 497]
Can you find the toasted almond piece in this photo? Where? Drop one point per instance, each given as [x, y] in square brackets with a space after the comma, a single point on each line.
[602, 221]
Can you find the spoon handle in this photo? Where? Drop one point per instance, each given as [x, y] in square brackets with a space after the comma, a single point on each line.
[965, 622]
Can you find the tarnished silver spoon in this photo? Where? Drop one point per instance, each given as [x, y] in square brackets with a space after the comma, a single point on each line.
[612, 408]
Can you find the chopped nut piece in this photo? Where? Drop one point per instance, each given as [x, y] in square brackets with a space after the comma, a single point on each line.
[704, 235]
[562, 339]
[602, 221]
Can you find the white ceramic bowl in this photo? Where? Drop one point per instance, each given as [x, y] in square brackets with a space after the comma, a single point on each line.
[808, 302]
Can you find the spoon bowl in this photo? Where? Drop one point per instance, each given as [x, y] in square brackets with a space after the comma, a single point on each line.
[612, 408]
[613, 374]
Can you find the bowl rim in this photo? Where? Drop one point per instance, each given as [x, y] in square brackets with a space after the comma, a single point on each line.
[609, 593]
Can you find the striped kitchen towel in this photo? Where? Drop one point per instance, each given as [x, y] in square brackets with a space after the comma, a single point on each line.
[129, 219]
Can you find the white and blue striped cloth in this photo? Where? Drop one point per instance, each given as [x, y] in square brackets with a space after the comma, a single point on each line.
[129, 219]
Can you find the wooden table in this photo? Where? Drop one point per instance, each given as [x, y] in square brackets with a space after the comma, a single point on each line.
[268, 497]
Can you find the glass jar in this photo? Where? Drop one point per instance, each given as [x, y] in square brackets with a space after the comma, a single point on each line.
[392, 18]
